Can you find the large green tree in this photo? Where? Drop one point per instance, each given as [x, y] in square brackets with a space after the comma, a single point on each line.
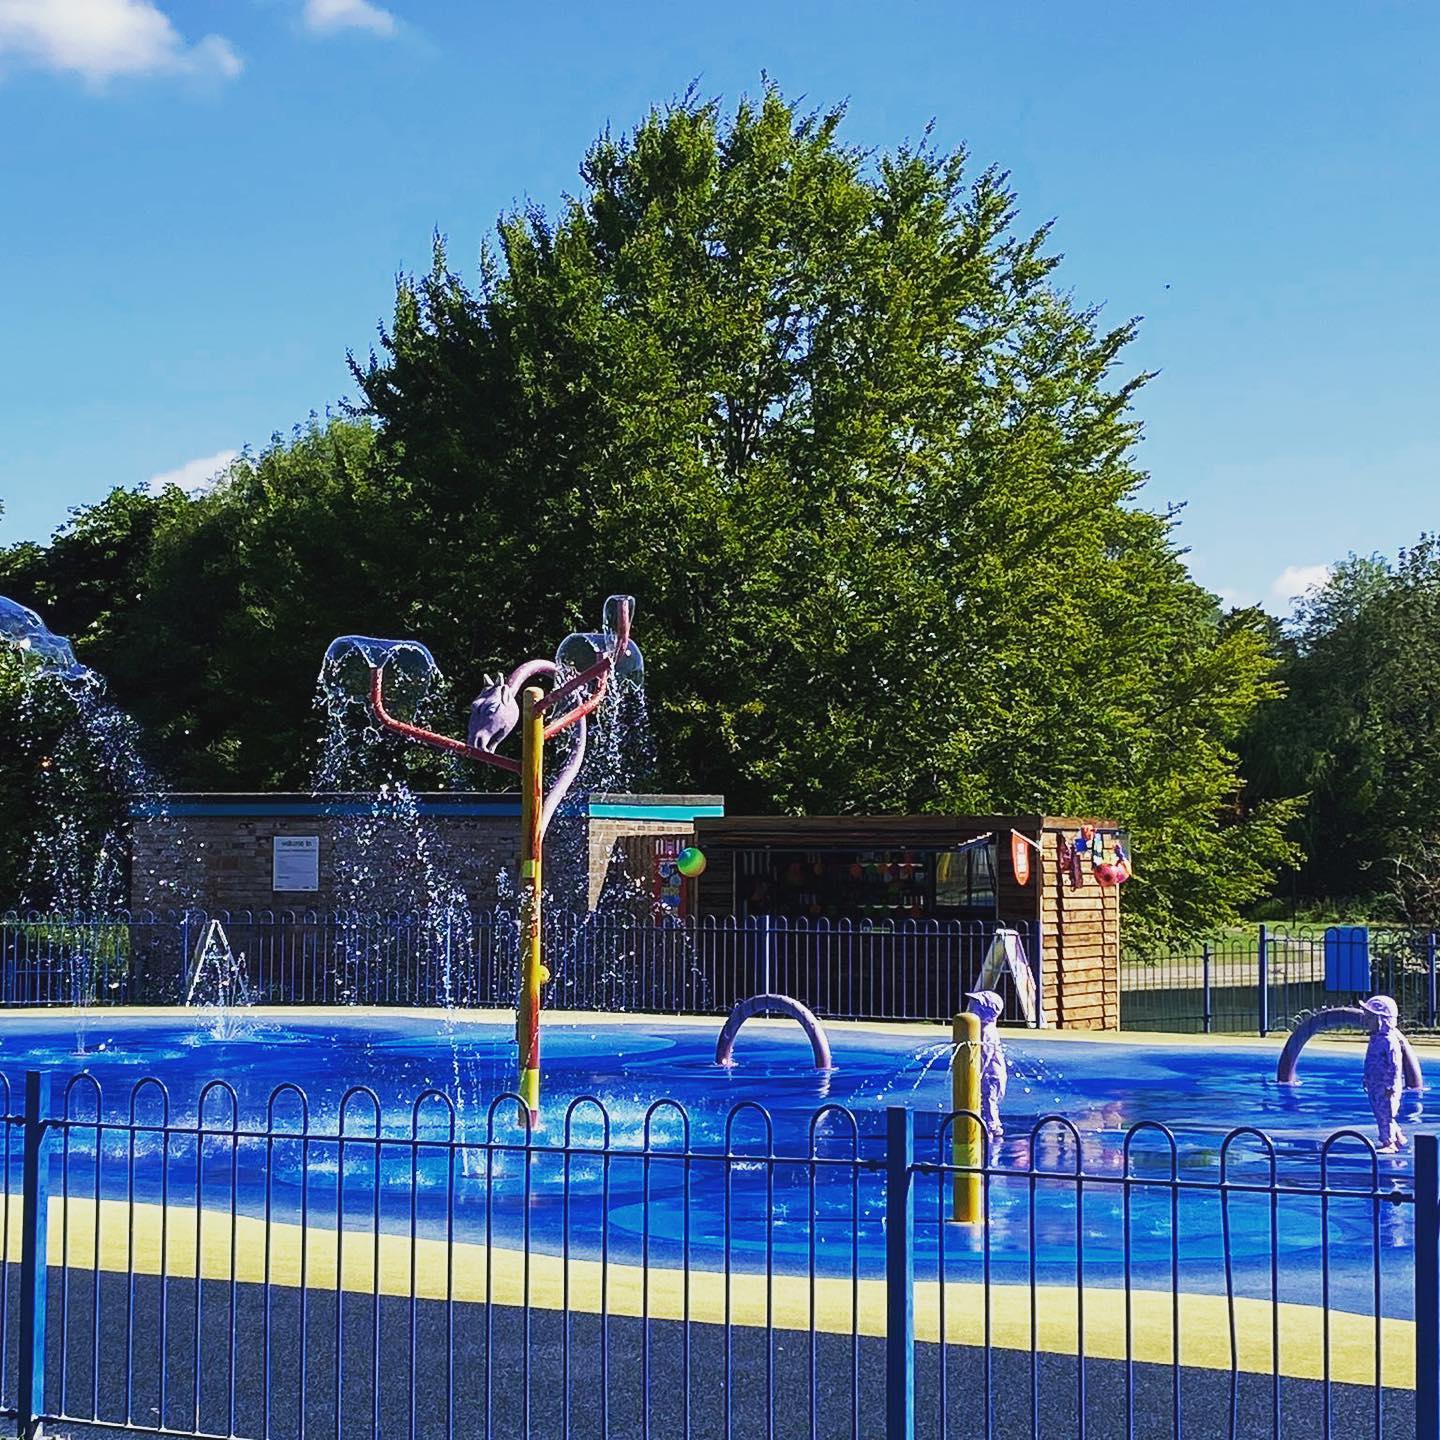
[870, 471]
[208, 614]
[247, 585]
[828, 414]
[1358, 732]
[63, 777]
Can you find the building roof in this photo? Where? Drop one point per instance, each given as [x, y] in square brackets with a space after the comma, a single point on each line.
[460, 803]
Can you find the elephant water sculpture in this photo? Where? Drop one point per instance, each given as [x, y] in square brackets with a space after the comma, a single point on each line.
[579, 678]
[1340, 1017]
[1391, 1064]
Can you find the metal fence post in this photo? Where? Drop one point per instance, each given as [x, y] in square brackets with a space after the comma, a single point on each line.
[1039, 969]
[1427, 1287]
[900, 1274]
[1206, 1018]
[1430, 979]
[1262, 965]
[35, 1197]
[184, 952]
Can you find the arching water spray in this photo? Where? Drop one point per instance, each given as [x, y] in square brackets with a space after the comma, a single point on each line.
[88, 771]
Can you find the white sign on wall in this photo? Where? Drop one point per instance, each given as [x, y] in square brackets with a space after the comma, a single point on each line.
[296, 864]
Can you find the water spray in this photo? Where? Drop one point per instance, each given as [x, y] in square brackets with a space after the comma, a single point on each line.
[584, 666]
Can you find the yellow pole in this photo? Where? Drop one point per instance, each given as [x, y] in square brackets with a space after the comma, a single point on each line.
[967, 1201]
[533, 973]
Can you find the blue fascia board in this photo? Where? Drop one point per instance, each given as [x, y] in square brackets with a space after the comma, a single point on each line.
[153, 809]
[502, 807]
[602, 811]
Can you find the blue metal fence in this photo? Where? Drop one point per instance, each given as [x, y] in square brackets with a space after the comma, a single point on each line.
[904, 970]
[1264, 981]
[219, 1267]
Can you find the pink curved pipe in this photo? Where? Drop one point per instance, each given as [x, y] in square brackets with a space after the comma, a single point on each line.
[531, 668]
[564, 780]
[773, 1005]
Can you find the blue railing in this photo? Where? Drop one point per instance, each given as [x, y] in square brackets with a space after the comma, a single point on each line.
[1263, 981]
[216, 1267]
[904, 970]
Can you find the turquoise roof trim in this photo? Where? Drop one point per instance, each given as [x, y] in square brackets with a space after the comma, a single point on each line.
[501, 807]
[149, 809]
[604, 811]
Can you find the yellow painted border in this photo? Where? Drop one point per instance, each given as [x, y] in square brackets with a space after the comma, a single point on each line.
[149, 1241]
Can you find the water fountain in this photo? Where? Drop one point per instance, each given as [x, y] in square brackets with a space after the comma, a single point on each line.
[218, 982]
[581, 674]
[89, 769]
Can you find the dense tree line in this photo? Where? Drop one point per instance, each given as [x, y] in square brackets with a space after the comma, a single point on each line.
[830, 416]
[1358, 733]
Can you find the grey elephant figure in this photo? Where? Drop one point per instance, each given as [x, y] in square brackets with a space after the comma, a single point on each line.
[495, 713]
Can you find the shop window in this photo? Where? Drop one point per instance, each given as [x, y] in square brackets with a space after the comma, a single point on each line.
[891, 884]
[965, 879]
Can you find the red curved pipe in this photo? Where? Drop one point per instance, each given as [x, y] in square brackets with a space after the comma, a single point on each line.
[600, 671]
[429, 737]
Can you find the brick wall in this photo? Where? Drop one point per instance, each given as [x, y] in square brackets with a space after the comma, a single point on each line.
[622, 858]
[225, 862]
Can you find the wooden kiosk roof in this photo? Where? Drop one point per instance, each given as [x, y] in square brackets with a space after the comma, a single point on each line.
[744, 831]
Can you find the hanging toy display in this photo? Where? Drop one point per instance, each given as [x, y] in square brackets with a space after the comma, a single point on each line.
[1104, 853]
[1113, 872]
[1074, 853]
[1112, 863]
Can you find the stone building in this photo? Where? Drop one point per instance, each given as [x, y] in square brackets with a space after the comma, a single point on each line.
[376, 854]
[316, 852]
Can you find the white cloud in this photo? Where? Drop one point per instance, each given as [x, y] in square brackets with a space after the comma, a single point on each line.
[102, 39]
[325, 17]
[194, 477]
[1297, 580]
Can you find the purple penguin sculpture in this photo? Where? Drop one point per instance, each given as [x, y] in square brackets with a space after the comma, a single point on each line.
[495, 713]
[994, 1072]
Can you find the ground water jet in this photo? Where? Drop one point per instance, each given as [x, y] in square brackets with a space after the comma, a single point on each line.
[218, 982]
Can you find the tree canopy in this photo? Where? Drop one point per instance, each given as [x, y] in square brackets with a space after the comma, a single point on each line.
[1358, 732]
[829, 415]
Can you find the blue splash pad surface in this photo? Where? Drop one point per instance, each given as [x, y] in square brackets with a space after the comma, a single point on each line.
[824, 1216]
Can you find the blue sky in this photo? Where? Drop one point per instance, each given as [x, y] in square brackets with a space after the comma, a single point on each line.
[203, 203]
